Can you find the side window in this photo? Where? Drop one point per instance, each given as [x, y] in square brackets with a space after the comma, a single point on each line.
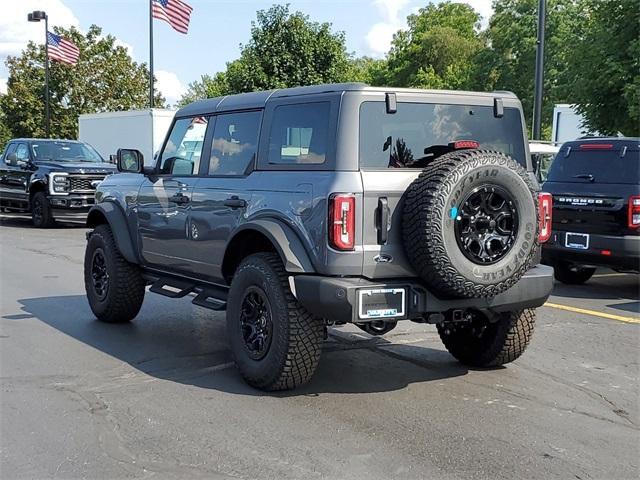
[181, 154]
[235, 142]
[10, 149]
[22, 152]
[299, 134]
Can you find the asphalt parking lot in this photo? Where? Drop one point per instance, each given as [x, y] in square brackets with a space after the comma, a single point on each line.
[160, 398]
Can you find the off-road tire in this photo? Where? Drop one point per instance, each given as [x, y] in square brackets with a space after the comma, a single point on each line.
[571, 274]
[498, 343]
[428, 226]
[41, 211]
[126, 287]
[297, 335]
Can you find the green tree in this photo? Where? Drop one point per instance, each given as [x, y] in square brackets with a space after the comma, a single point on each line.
[509, 61]
[285, 50]
[207, 87]
[603, 71]
[437, 49]
[5, 131]
[104, 79]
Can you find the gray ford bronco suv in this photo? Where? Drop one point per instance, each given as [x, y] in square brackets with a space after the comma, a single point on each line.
[307, 207]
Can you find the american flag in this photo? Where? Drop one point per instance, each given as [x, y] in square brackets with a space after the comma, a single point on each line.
[61, 49]
[175, 12]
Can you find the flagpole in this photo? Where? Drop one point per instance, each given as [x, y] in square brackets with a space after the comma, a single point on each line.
[47, 114]
[150, 54]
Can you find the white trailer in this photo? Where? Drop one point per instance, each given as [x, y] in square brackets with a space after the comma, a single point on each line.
[568, 124]
[143, 130]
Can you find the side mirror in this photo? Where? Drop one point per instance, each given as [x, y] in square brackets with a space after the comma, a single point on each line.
[129, 160]
[12, 159]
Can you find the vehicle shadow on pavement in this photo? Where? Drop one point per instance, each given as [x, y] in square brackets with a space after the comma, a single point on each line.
[622, 288]
[189, 346]
[22, 221]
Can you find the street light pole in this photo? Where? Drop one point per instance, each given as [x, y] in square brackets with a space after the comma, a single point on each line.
[539, 75]
[37, 16]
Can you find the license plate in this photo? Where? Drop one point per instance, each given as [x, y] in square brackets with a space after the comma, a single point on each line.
[579, 241]
[381, 302]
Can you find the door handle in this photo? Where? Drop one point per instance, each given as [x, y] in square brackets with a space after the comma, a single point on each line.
[179, 198]
[383, 220]
[235, 202]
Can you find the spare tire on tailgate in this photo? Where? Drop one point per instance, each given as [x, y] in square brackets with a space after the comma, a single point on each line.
[470, 223]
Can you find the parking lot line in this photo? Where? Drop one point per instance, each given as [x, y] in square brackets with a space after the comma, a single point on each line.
[594, 313]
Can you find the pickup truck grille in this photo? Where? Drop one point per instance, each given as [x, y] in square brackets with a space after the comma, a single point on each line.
[82, 183]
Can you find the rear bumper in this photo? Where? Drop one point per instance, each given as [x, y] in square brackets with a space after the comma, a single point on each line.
[70, 207]
[624, 251]
[336, 299]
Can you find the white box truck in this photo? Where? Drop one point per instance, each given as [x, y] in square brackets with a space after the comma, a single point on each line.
[567, 124]
[143, 130]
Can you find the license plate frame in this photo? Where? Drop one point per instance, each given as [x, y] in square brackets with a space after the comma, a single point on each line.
[576, 241]
[394, 309]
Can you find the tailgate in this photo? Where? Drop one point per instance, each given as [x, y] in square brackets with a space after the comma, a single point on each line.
[383, 191]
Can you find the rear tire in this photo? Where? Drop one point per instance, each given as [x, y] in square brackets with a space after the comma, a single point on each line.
[41, 211]
[115, 288]
[572, 274]
[275, 342]
[481, 343]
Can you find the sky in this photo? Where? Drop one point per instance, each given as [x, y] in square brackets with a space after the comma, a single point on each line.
[217, 29]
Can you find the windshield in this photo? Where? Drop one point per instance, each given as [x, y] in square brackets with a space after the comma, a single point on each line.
[65, 152]
[595, 166]
[399, 140]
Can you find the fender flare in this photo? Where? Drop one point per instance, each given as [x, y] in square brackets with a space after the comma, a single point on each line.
[288, 245]
[117, 221]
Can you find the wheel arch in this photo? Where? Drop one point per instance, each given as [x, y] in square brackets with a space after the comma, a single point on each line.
[266, 235]
[112, 215]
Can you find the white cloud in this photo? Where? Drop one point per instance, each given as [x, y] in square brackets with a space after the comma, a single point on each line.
[169, 85]
[380, 34]
[128, 47]
[16, 31]
[3, 85]
[484, 8]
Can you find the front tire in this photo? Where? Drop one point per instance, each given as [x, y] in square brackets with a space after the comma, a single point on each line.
[115, 288]
[275, 342]
[41, 211]
[572, 274]
[483, 343]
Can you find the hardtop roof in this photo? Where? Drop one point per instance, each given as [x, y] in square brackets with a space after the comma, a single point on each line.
[255, 100]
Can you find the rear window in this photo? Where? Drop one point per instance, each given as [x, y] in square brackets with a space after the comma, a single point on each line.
[399, 140]
[604, 166]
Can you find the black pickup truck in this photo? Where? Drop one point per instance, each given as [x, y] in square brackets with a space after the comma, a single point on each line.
[50, 179]
[595, 183]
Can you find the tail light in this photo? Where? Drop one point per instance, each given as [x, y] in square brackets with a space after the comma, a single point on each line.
[545, 212]
[342, 221]
[634, 211]
[596, 146]
[464, 144]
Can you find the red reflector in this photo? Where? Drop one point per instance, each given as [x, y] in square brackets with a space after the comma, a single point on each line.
[606, 252]
[545, 213]
[463, 144]
[596, 146]
[342, 221]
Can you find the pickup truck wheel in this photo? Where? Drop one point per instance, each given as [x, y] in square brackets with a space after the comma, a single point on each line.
[470, 223]
[275, 342]
[572, 274]
[484, 343]
[115, 287]
[41, 211]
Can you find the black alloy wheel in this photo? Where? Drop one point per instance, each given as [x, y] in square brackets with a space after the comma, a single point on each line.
[99, 274]
[486, 224]
[256, 322]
